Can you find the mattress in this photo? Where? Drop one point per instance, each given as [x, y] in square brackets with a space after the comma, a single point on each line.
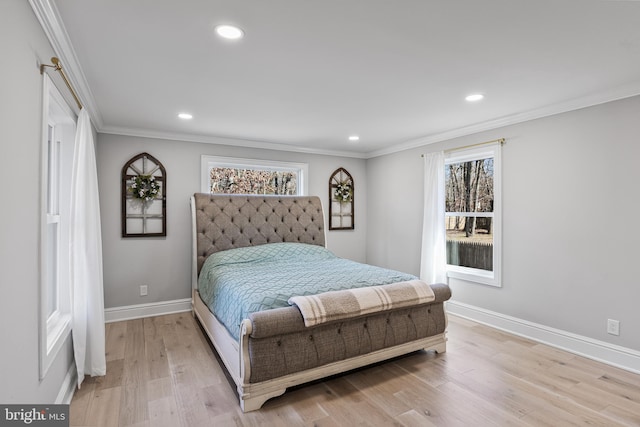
[237, 282]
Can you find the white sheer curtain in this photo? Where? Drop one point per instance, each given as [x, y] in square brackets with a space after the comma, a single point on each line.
[86, 257]
[433, 262]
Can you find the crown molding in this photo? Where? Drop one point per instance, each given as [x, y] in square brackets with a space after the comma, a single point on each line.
[621, 92]
[616, 94]
[226, 140]
[51, 22]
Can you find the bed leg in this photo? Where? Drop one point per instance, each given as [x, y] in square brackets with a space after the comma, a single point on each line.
[439, 345]
[248, 404]
[440, 348]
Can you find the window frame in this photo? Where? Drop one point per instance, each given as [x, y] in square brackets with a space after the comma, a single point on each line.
[491, 278]
[58, 140]
[209, 162]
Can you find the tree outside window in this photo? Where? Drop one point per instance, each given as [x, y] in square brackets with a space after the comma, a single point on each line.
[228, 180]
[228, 175]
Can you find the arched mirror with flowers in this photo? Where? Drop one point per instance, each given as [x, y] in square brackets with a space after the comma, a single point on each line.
[144, 197]
[341, 204]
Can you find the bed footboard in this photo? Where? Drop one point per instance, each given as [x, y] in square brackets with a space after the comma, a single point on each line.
[277, 351]
[279, 344]
[309, 355]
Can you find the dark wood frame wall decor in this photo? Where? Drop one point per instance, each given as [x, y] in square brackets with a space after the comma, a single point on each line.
[143, 218]
[341, 208]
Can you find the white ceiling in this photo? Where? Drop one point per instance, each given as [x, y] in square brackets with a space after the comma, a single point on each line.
[310, 73]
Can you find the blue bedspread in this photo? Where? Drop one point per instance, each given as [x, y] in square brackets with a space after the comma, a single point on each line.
[240, 281]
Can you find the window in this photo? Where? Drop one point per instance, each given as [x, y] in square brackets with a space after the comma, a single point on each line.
[57, 157]
[225, 175]
[472, 214]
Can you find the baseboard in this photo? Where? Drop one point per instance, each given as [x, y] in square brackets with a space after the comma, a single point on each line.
[68, 387]
[611, 354]
[128, 312]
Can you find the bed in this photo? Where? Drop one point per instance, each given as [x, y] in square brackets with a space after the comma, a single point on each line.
[265, 351]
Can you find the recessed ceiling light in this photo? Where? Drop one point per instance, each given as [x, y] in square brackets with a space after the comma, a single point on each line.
[185, 116]
[474, 97]
[229, 32]
[354, 138]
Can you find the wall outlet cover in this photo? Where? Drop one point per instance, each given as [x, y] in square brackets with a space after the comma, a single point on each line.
[613, 327]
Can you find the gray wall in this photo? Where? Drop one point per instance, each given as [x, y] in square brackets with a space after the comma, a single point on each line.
[23, 44]
[570, 195]
[164, 264]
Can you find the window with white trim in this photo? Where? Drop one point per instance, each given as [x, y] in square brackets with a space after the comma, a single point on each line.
[472, 214]
[228, 175]
[57, 157]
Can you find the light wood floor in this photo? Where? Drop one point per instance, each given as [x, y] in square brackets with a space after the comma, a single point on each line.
[161, 371]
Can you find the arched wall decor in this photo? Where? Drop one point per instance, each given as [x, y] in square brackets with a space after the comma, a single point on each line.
[341, 201]
[144, 197]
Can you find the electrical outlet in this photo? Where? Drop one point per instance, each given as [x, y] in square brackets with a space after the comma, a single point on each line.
[143, 290]
[613, 327]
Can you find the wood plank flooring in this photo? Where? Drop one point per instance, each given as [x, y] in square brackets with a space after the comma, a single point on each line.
[161, 371]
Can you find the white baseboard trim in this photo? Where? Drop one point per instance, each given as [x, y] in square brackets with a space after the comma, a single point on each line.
[137, 311]
[611, 354]
[68, 387]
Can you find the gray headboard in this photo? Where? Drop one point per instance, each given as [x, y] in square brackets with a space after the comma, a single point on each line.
[224, 221]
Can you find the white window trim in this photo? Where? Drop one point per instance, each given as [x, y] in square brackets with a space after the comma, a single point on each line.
[55, 327]
[209, 162]
[491, 278]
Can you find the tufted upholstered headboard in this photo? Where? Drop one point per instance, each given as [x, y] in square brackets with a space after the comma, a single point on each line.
[227, 221]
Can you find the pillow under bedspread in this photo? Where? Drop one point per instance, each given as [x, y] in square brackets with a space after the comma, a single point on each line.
[236, 282]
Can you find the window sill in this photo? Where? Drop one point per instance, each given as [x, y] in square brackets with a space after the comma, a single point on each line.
[474, 276]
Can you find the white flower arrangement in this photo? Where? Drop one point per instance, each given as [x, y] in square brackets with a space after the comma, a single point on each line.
[343, 192]
[145, 188]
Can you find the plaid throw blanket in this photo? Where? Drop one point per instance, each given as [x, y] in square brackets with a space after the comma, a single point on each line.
[336, 305]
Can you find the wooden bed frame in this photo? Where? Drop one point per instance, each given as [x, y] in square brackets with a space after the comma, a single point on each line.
[236, 356]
